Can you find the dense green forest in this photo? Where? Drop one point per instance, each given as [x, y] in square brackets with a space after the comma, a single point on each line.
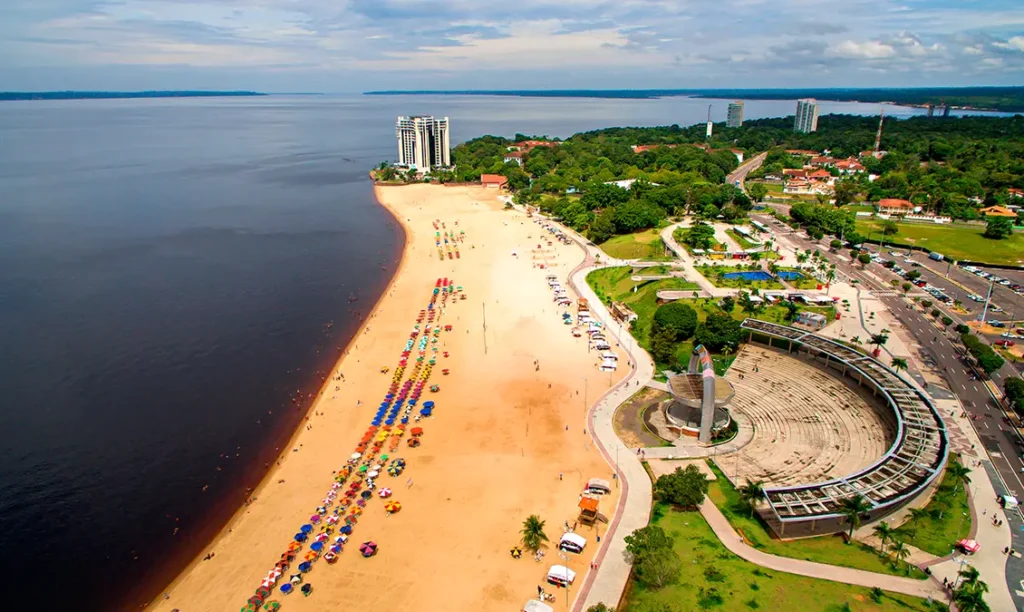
[951, 166]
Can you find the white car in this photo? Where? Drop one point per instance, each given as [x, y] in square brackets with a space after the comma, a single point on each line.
[976, 298]
[1004, 283]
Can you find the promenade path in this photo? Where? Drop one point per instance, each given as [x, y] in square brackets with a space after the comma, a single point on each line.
[908, 586]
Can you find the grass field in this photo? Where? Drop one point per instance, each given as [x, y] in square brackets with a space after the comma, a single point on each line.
[713, 274]
[953, 241]
[641, 245]
[832, 550]
[712, 578]
[947, 522]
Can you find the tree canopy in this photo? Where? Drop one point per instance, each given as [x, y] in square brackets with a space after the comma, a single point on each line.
[684, 488]
[678, 318]
[719, 330]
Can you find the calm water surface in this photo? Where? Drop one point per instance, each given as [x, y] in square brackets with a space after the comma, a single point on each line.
[167, 271]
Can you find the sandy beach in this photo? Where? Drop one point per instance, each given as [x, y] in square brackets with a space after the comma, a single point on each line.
[508, 438]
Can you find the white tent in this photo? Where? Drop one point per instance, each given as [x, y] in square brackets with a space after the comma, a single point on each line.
[579, 541]
[535, 606]
[560, 573]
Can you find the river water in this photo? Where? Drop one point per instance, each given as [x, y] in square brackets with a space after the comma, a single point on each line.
[168, 271]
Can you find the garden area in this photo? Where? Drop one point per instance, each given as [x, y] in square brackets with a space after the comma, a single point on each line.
[797, 278]
[831, 549]
[645, 245]
[698, 573]
[946, 519]
[959, 241]
[750, 276]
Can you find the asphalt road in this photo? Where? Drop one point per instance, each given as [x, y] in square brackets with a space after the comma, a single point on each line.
[741, 172]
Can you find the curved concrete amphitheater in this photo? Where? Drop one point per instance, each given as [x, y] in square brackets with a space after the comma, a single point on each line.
[818, 438]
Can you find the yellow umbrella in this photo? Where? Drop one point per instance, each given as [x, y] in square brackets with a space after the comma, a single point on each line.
[392, 507]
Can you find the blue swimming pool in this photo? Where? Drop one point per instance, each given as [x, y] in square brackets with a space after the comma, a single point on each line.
[757, 275]
[787, 275]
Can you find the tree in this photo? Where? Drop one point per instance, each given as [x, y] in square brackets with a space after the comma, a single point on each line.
[947, 321]
[853, 508]
[845, 191]
[899, 363]
[663, 345]
[684, 488]
[650, 550]
[791, 310]
[971, 599]
[728, 304]
[603, 226]
[913, 275]
[718, 331]
[878, 340]
[752, 493]
[962, 329]
[678, 318]
[889, 228]
[1013, 388]
[959, 472]
[757, 191]
[699, 236]
[936, 313]
[884, 533]
[533, 532]
[600, 607]
[899, 552]
[998, 228]
[864, 259]
[835, 244]
[906, 287]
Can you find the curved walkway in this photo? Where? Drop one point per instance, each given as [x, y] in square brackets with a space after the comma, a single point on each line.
[607, 583]
[908, 586]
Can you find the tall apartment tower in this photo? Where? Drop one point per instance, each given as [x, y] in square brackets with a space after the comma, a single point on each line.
[806, 116]
[423, 142]
[710, 125]
[735, 116]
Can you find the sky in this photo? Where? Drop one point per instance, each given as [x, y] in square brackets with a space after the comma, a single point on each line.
[348, 46]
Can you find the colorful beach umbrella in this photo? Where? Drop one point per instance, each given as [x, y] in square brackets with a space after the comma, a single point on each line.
[392, 507]
[384, 493]
[286, 588]
[368, 549]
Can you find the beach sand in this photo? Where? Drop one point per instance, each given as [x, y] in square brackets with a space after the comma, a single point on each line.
[507, 440]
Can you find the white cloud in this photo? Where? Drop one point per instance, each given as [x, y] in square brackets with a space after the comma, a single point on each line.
[871, 49]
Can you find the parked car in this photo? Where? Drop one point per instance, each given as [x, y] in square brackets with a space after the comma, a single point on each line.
[995, 323]
[995, 308]
[920, 283]
[1004, 283]
[1004, 343]
[975, 298]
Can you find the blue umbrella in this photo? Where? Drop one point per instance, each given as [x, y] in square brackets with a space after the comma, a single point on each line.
[389, 422]
[428, 404]
[375, 422]
[425, 411]
[307, 528]
[346, 529]
[412, 402]
[305, 566]
[300, 537]
[405, 421]
[316, 546]
[286, 588]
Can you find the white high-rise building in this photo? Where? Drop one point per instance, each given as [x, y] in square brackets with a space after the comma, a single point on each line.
[423, 142]
[806, 116]
[735, 116]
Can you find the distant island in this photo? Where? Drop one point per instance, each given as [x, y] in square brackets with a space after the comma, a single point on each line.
[1003, 99]
[109, 95]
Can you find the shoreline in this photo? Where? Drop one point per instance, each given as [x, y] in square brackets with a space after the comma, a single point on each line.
[297, 430]
[518, 444]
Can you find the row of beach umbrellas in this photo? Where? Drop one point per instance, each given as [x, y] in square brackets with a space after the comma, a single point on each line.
[380, 430]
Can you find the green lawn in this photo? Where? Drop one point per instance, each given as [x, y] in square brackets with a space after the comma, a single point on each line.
[614, 284]
[714, 578]
[948, 520]
[832, 549]
[641, 245]
[715, 275]
[953, 241]
[740, 239]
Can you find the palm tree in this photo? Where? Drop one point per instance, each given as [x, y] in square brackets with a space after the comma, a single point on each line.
[533, 532]
[899, 552]
[916, 514]
[899, 363]
[852, 508]
[970, 575]
[971, 600]
[884, 533]
[959, 472]
[879, 340]
[855, 340]
[753, 494]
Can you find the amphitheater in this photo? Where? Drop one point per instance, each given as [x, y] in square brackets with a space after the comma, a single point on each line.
[830, 423]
